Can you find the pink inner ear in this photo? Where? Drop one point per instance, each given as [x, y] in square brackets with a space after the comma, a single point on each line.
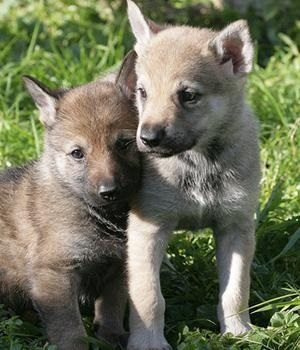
[233, 51]
[154, 27]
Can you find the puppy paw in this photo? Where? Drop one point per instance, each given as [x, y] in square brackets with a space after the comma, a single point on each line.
[235, 327]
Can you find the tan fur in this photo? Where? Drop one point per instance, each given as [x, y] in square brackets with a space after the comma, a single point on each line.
[202, 169]
[59, 239]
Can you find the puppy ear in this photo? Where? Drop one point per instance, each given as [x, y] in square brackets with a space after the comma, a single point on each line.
[142, 28]
[45, 99]
[126, 77]
[234, 49]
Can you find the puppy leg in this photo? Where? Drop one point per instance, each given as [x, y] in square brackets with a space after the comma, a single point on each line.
[147, 243]
[54, 296]
[235, 249]
[110, 309]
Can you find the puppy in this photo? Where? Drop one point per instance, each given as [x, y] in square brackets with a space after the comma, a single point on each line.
[63, 217]
[202, 168]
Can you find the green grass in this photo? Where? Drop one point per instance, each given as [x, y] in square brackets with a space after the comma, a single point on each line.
[63, 43]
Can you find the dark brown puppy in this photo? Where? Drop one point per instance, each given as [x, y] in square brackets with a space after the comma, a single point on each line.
[63, 217]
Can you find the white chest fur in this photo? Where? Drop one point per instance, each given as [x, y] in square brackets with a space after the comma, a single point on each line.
[203, 186]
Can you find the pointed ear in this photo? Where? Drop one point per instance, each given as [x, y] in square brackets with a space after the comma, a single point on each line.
[142, 28]
[234, 49]
[44, 99]
[126, 77]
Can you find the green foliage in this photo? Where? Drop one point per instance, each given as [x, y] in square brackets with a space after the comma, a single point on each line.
[68, 42]
[267, 18]
[16, 334]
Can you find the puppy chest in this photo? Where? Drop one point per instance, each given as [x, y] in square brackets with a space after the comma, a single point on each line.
[210, 194]
[201, 190]
[96, 247]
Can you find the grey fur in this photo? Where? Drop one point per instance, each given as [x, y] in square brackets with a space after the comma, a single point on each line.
[60, 240]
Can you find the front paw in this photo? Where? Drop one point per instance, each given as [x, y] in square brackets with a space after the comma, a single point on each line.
[235, 326]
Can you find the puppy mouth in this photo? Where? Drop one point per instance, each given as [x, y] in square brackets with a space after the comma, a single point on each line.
[159, 153]
[119, 209]
[166, 152]
[162, 154]
[99, 204]
[117, 206]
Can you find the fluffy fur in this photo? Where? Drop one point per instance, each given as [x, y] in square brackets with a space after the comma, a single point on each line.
[202, 168]
[61, 239]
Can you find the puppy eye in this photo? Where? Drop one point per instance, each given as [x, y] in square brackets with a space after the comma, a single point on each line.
[188, 97]
[77, 153]
[122, 145]
[142, 93]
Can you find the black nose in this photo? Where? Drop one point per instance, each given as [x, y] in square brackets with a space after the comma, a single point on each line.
[152, 137]
[108, 191]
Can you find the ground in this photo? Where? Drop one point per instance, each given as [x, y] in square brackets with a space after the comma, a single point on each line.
[72, 42]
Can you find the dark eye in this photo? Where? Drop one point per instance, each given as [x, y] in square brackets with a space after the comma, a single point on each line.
[123, 144]
[142, 93]
[188, 97]
[77, 153]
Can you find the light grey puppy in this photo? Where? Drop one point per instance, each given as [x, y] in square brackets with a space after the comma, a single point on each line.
[202, 167]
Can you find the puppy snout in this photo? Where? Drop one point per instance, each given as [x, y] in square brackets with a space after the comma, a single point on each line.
[152, 136]
[108, 190]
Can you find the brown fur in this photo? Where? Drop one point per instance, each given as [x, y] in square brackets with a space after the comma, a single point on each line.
[59, 239]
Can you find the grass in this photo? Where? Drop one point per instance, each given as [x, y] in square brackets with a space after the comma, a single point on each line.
[63, 43]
